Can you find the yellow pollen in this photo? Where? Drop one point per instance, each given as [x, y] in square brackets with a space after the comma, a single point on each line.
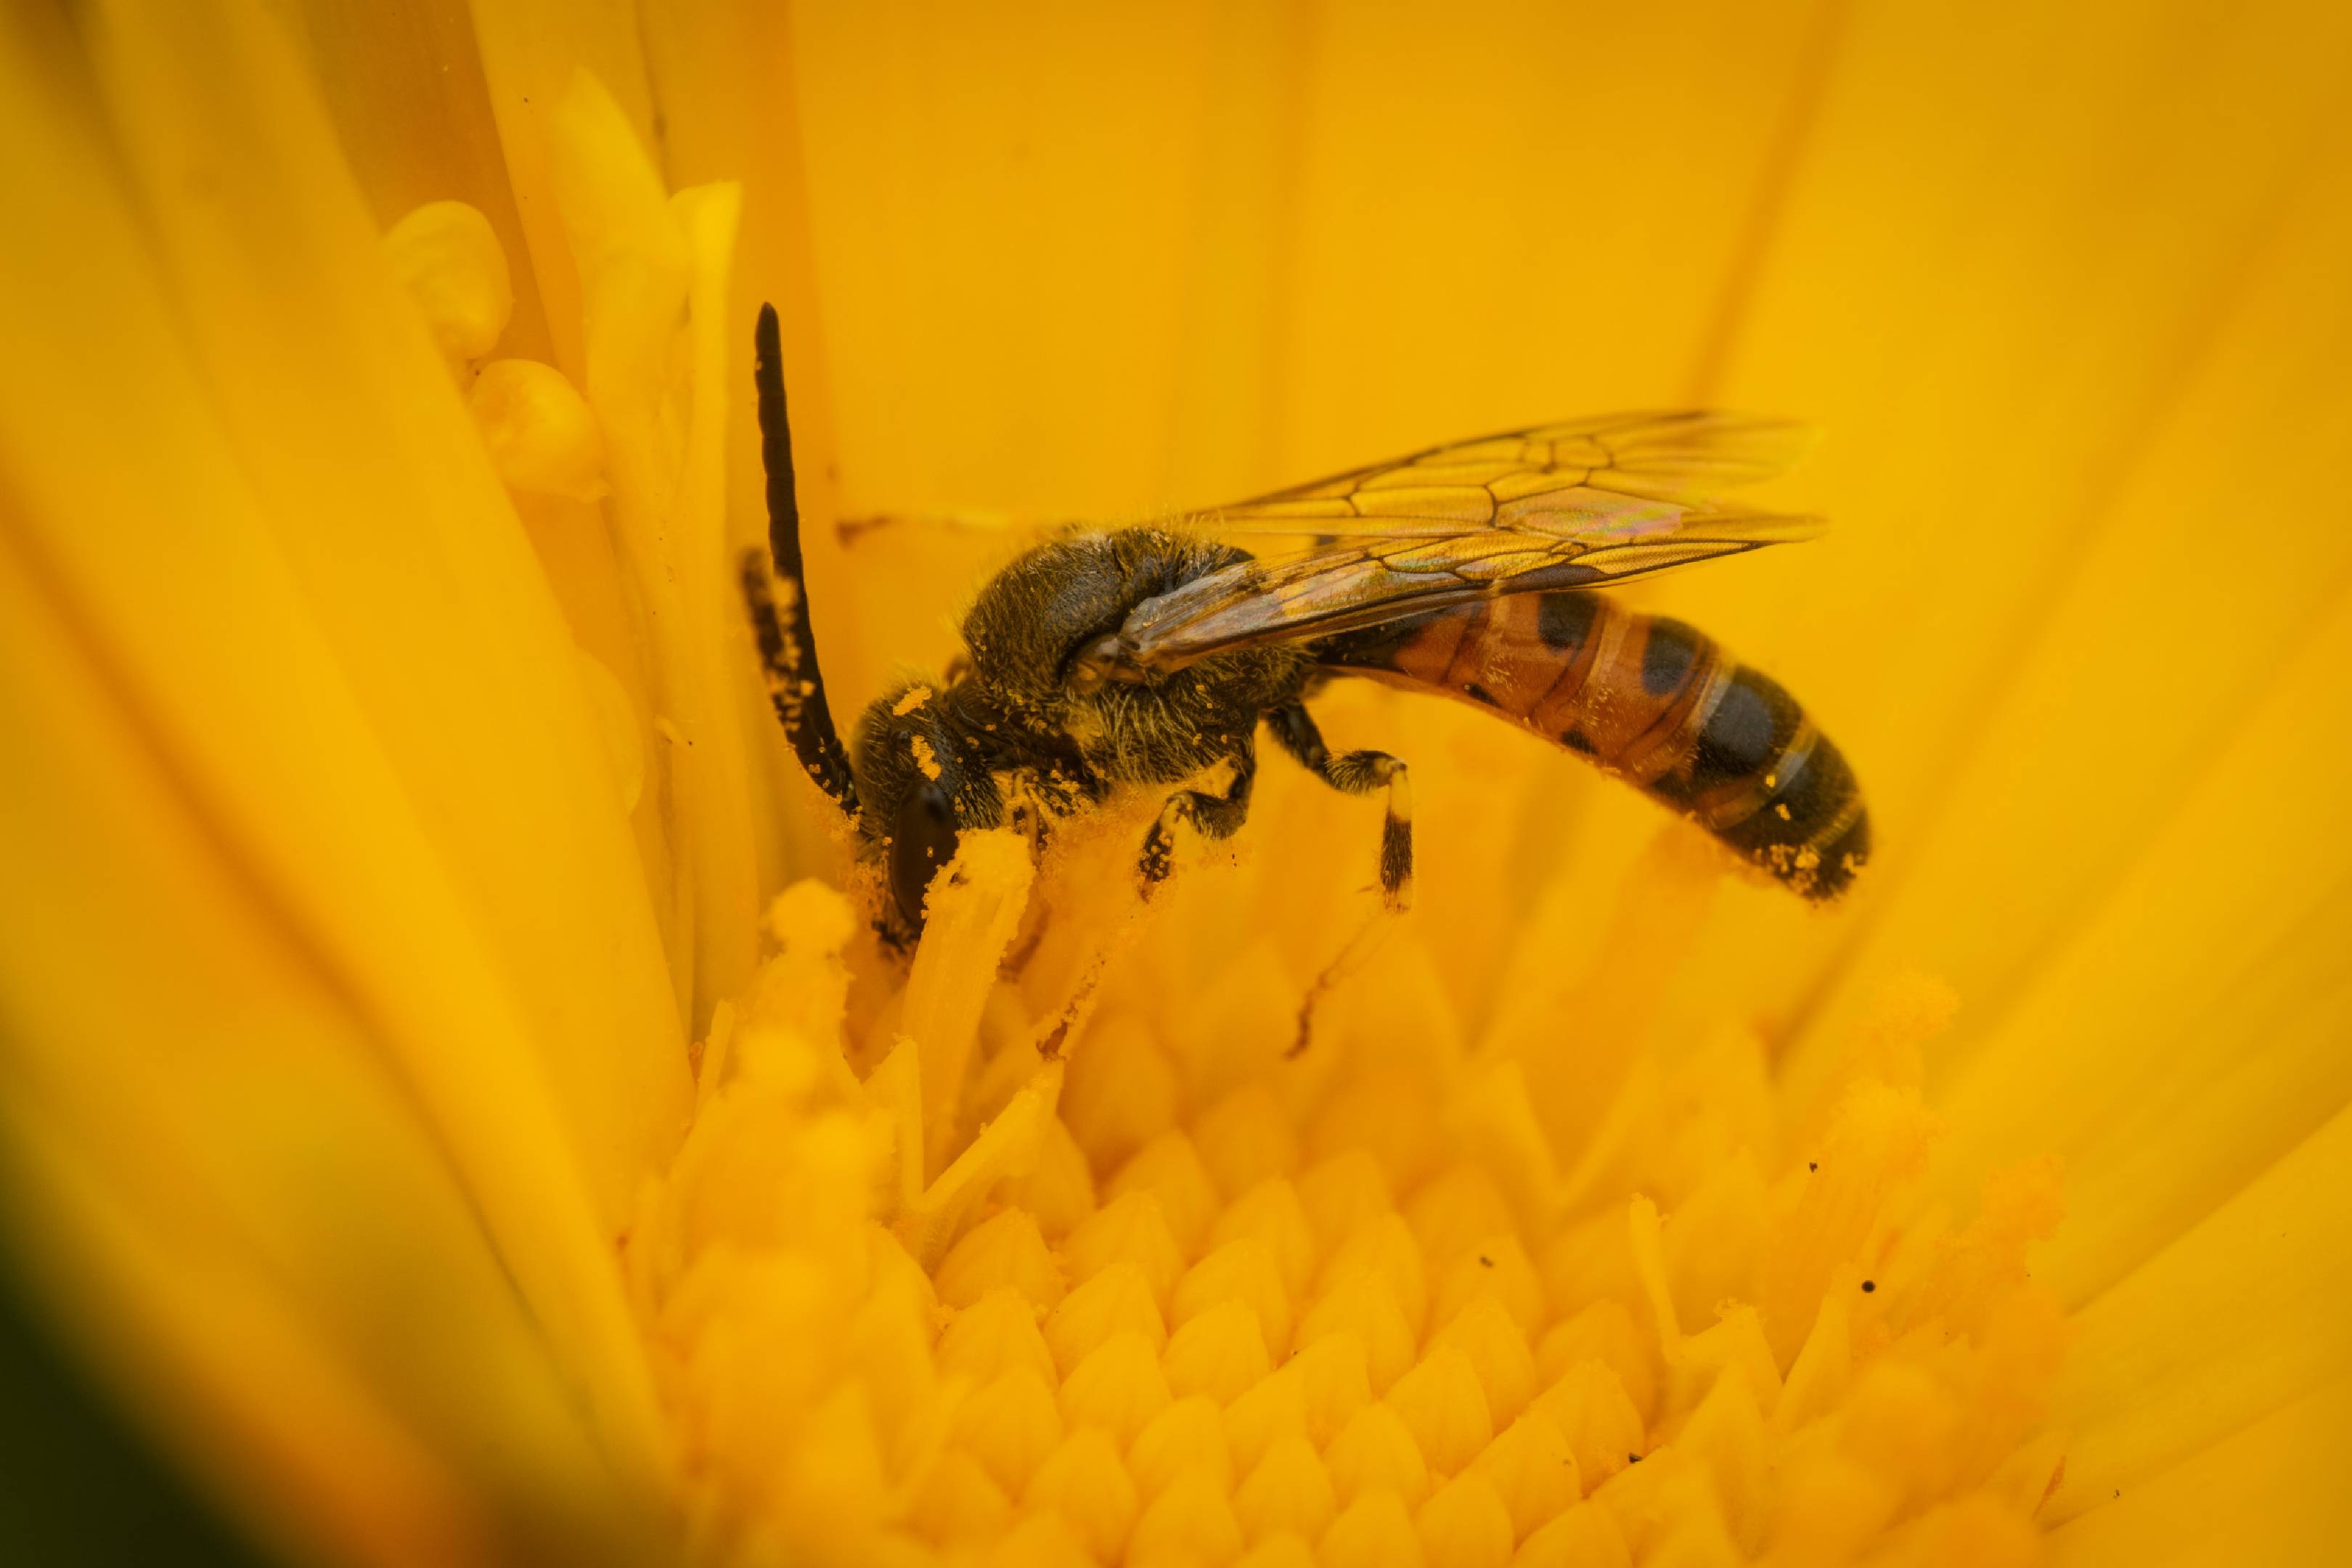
[1175, 1294]
[916, 697]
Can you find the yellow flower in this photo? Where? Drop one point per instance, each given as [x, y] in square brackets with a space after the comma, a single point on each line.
[446, 1089]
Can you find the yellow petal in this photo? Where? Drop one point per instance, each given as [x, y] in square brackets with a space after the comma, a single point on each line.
[253, 654]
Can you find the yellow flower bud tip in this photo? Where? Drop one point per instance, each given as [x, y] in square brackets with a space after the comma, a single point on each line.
[1466, 1525]
[448, 257]
[1118, 1299]
[1221, 1352]
[1188, 1435]
[1192, 1520]
[1118, 1386]
[1375, 1530]
[1087, 1483]
[541, 436]
[1377, 1452]
[1288, 1492]
[1010, 1425]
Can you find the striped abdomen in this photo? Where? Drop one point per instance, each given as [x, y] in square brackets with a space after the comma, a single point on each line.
[1652, 700]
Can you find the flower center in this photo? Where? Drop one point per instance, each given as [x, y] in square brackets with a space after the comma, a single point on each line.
[917, 1289]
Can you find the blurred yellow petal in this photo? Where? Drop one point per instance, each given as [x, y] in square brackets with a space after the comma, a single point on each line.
[206, 590]
[2266, 1492]
[228, 1173]
[2148, 1383]
[2206, 1006]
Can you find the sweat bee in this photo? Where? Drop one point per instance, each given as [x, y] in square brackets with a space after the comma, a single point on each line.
[1105, 660]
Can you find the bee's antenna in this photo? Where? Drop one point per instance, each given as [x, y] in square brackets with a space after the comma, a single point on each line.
[787, 641]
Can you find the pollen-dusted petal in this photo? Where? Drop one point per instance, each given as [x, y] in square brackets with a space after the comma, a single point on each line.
[448, 261]
[959, 1503]
[1190, 1521]
[1271, 1212]
[1486, 1332]
[1058, 1188]
[1242, 1271]
[1533, 1470]
[1118, 1386]
[1494, 1265]
[541, 436]
[1386, 1251]
[1170, 1169]
[1117, 1301]
[1878, 1139]
[1288, 1492]
[1221, 1353]
[1444, 1407]
[1604, 1331]
[1121, 1091]
[1131, 1229]
[1009, 1425]
[974, 908]
[1085, 1481]
[1376, 1452]
[1589, 1407]
[1583, 1537]
[1044, 1539]
[1375, 1530]
[1004, 1249]
[1275, 1409]
[1365, 1309]
[1982, 1267]
[1246, 1138]
[1005, 1145]
[1332, 1383]
[1466, 1525]
[1188, 1434]
[1342, 1193]
[996, 1333]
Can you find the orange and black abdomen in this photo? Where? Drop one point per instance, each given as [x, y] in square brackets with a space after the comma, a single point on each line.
[1652, 700]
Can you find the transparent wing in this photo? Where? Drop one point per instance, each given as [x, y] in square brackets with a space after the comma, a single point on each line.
[1581, 504]
[1625, 471]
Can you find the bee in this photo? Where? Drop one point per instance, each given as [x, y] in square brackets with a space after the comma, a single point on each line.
[1142, 658]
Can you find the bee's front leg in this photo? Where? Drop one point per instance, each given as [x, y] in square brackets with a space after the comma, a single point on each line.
[1217, 816]
[1358, 773]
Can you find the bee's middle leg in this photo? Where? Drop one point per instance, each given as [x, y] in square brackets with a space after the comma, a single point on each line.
[1358, 773]
[1216, 816]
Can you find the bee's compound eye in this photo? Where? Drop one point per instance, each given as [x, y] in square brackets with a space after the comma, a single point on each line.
[922, 839]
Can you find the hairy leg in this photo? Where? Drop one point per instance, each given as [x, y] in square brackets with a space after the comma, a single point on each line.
[1217, 816]
[1358, 773]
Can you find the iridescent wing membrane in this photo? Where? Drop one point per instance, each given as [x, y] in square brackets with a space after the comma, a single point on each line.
[1585, 504]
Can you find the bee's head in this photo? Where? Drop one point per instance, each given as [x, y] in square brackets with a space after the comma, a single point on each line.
[919, 788]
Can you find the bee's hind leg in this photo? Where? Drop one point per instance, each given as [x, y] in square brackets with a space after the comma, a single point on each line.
[1216, 816]
[1358, 773]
